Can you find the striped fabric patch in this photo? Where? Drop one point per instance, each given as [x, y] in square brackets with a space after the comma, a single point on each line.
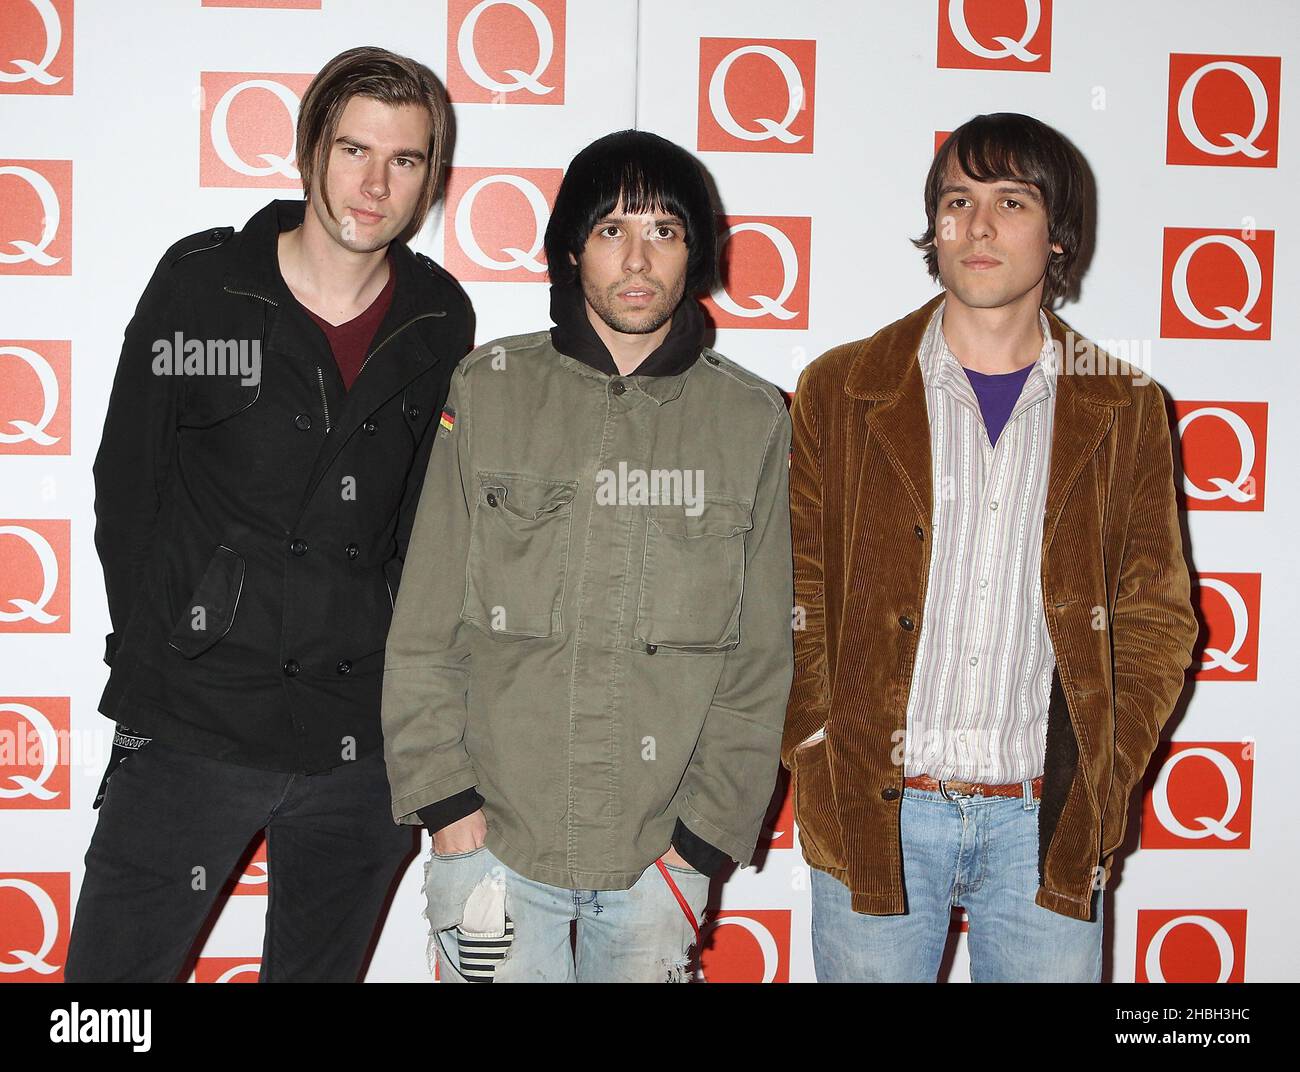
[481, 953]
[448, 419]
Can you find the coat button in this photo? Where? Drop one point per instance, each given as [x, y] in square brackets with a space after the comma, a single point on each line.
[890, 793]
[302, 421]
[920, 532]
[291, 667]
[344, 667]
[618, 387]
[298, 547]
[491, 499]
[215, 235]
[369, 427]
[907, 623]
[353, 550]
[414, 413]
[650, 649]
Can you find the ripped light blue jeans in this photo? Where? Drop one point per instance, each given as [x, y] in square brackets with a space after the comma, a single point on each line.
[489, 923]
[974, 851]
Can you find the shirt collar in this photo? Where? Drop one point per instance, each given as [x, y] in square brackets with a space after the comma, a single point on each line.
[938, 363]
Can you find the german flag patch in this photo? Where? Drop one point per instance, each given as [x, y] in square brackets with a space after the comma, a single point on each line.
[447, 421]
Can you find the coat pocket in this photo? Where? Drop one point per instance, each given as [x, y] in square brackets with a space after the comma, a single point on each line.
[693, 578]
[210, 612]
[518, 554]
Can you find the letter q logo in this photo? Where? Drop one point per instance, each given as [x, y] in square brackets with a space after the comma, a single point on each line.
[1223, 452]
[34, 920]
[34, 397]
[1201, 798]
[506, 51]
[1011, 36]
[1194, 945]
[1216, 284]
[763, 265]
[1228, 606]
[1223, 110]
[34, 753]
[34, 577]
[494, 223]
[751, 946]
[756, 96]
[35, 217]
[247, 135]
[36, 48]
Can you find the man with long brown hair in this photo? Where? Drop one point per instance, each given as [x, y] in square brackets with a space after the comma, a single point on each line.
[988, 555]
[264, 449]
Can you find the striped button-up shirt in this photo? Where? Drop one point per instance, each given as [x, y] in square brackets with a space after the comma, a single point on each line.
[977, 710]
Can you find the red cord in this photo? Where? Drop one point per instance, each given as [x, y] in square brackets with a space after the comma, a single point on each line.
[686, 908]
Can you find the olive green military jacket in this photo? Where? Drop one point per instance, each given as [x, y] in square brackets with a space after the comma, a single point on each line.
[594, 621]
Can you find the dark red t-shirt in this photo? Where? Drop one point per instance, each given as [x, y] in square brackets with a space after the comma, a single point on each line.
[350, 341]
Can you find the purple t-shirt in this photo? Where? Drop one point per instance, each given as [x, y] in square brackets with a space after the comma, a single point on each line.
[997, 395]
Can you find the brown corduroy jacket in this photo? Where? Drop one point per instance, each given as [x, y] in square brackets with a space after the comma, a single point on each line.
[1115, 592]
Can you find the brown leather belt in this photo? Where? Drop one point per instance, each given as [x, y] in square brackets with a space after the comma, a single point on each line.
[978, 789]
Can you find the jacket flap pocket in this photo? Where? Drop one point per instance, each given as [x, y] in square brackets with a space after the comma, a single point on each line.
[527, 497]
[210, 612]
[713, 518]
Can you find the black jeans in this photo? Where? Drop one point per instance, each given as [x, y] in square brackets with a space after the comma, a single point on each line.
[173, 825]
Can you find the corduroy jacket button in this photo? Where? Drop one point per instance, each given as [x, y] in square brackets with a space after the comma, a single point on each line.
[890, 793]
[302, 422]
[618, 387]
[491, 499]
[907, 623]
[920, 532]
[291, 667]
[650, 649]
[344, 666]
[710, 359]
[298, 547]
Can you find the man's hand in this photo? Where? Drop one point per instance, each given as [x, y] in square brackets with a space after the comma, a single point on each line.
[464, 835]
[673, 858]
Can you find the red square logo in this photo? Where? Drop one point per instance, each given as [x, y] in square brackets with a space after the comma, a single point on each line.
[1223, 110]
[1201, 797]
[227, 969]
[763, 263]
[505, 51]
[34, 925]
[1228, 607]
[494, 223]
[35, 217]
[1224, 446]
[995, 35]
[756, 95]
[34, 752]
[1191, 945]
[34, 567]
[1216, 284]
[246, 136]
[37, 48]
[751, 946]
[35, 396]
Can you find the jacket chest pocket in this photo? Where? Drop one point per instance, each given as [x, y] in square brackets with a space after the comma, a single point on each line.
[518, 554]
[693, 578]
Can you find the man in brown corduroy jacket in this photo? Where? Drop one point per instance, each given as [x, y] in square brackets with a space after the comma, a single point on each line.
[994, 601]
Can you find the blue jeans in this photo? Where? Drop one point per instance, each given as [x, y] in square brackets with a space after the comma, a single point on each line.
[977, 852]
[489, 923]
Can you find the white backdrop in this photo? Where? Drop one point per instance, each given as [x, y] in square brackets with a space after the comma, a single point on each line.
[817, 134]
